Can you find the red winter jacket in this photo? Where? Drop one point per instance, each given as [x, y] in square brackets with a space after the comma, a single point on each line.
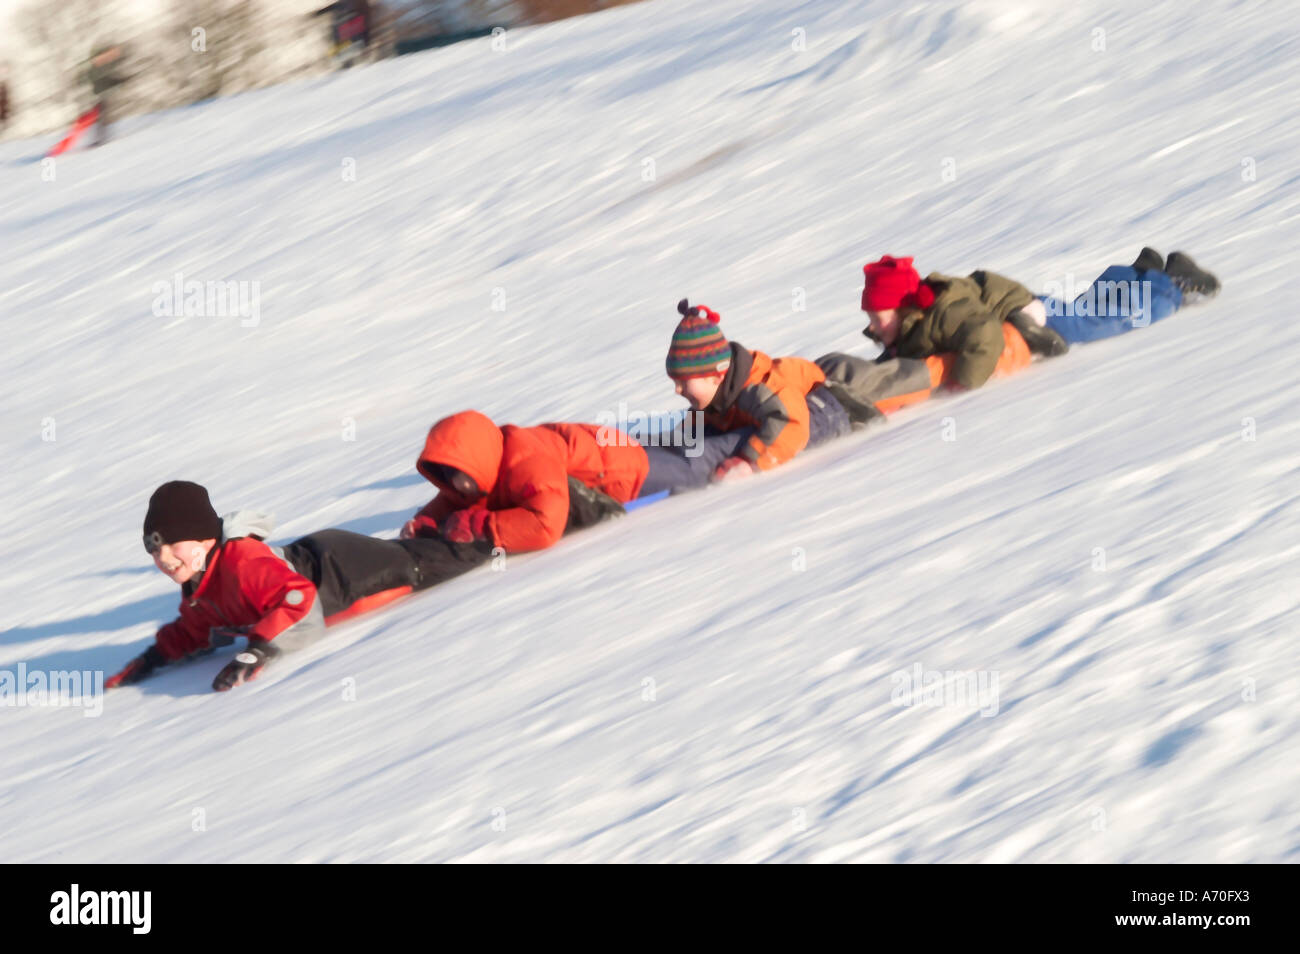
[244, 584]
[524, 474]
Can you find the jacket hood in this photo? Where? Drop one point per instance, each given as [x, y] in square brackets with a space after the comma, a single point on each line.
[469, 442]
[246, 523]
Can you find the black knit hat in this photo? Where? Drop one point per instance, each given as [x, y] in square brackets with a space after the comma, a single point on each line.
[179, 510]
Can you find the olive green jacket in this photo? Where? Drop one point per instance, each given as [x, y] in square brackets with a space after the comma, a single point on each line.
[966, 319]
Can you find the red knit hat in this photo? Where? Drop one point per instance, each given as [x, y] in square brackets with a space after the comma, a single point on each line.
[894, 283]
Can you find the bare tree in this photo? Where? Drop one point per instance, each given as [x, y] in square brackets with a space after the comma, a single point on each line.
[212, 46]
[61, 37]
[197, 49]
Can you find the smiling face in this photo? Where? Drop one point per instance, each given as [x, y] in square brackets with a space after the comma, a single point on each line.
[883, 325]
[181, 560]
[699, 392]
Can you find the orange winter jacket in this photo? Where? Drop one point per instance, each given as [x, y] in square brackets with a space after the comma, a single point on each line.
[769, 395]
[523, 473]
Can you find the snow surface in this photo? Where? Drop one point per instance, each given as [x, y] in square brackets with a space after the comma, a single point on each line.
[671, 686]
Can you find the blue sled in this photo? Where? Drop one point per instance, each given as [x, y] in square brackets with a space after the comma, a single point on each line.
[643, 501]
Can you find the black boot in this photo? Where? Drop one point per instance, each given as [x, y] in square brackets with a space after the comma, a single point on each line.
[1041, 339]
[1194, 282]
[589, 506]
[1149, 260]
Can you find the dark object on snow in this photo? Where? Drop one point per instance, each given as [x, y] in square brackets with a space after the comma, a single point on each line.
[103, 73]
[417, 44]
[588, 506]
[103, 70]
[1041, 339]
[1192, 280]
[101, 121]
[350, 25]
[1149, 260]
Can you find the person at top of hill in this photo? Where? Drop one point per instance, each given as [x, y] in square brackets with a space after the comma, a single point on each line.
[758, 411]
[104, 74]
[350, 28]
[4, 95]
[520, 488]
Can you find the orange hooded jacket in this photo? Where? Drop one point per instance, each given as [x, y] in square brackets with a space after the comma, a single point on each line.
[771, 396]
[523, 474]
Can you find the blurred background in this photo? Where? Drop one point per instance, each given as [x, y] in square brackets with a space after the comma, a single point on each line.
[48, 49]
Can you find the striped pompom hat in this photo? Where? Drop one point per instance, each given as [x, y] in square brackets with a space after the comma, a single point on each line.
[699, 348]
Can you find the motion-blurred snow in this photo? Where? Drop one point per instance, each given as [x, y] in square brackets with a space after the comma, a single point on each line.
[1110, 539]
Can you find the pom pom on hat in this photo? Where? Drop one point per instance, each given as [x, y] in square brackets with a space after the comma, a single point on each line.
[687, 310]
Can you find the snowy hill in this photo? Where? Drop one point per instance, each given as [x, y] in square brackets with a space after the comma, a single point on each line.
[1111, 537]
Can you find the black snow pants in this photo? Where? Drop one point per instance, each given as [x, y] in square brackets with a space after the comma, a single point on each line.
[347, 566]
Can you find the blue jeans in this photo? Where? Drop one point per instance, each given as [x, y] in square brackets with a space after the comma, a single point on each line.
[674, 469]
[1121, 299]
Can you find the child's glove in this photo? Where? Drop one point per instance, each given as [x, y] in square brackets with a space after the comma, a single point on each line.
[419, 526]
[733, 468]
[466, 526]
[141, 667]
[246, 666]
